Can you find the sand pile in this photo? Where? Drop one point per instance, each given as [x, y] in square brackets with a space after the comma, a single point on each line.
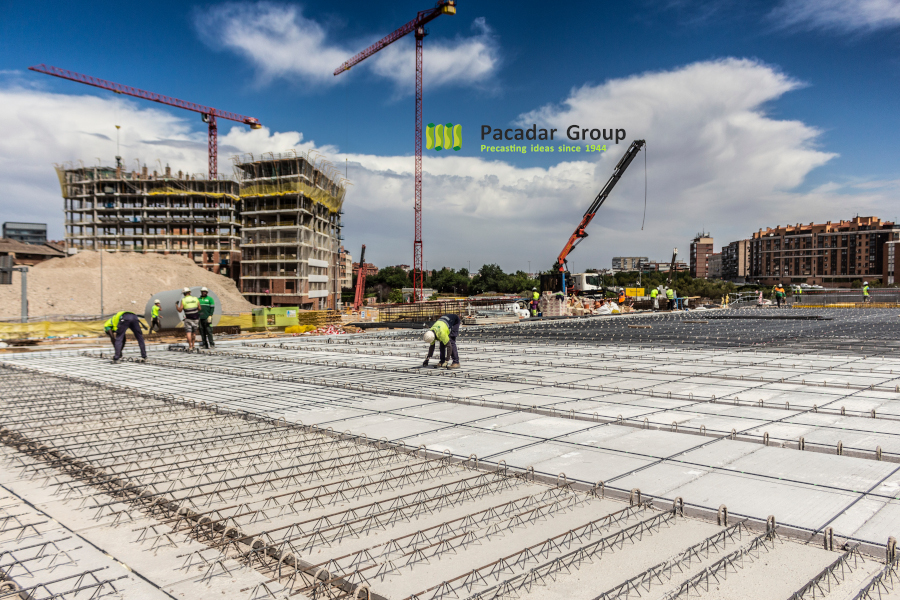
[71, 286]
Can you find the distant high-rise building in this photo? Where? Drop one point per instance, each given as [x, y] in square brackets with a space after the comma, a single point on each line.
[736, 260]
[701, 249]
[628, 263]
[346, 261]
[714, 266]
[30, 233]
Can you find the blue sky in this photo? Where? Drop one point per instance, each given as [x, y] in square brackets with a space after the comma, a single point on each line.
[756, 113]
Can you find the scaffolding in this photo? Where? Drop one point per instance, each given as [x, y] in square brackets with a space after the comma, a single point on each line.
[107, 208]
[291, 229]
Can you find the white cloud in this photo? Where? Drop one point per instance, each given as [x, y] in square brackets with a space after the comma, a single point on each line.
[471, 60]
[716, 161]
[282, 43]
[839, 15]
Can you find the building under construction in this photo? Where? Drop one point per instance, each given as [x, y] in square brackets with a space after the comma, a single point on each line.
[111, 209]
[291, 230]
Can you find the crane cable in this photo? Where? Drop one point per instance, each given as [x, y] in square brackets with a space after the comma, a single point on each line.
[644, 220]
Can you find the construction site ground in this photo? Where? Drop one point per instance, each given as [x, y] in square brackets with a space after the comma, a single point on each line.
[735, 454]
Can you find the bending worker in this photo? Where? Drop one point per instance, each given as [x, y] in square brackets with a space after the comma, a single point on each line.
[154, 317]
[445, 331]
[118, 326]
[207, 308]
[190, 306]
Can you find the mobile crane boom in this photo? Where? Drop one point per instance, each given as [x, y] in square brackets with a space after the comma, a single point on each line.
[580, 232]
[360, 281]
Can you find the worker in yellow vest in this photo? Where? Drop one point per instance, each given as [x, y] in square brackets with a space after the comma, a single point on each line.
[444, 331]
[190, 306]
[154, 317]
[118, 326]
[670, 297]
[654, 295]
[535, 301]
[865, 291]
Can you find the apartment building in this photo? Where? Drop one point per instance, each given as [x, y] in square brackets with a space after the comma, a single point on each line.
[628, 263]
[736, 261]
[830, 254]
[111, 209]
[290, 231]
[701, 250]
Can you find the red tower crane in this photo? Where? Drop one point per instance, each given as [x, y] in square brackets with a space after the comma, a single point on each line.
[417, 25]
[209, 114]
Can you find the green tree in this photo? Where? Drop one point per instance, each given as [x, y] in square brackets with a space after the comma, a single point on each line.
[393, 277]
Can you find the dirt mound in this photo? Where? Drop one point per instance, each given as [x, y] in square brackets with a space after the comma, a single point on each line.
[71, 286]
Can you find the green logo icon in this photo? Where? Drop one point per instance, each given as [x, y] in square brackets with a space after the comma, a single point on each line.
[443, 136]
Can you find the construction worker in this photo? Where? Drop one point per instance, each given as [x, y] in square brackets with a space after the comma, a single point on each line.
[154, 317]
[535, 301]
[190, 306]
[654, 295]
[445, 331]
[207, 308]
[670, 297]
[621, 298]
[866, 291]
[779, 294]
[798, 294]
[118, 326]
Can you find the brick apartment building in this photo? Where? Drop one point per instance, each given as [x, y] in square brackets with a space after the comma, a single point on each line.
[701, 250]
[829, 254]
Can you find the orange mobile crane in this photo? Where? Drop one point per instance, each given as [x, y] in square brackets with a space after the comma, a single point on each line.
[360, 280]
[580, 232]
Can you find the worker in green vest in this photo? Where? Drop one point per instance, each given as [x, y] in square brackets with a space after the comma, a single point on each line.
[670, 296]
[444, 331]
[190, 306]
[798, 292]
[654, 295]
[207, 308]
[154, 317]
[118, 326]
[865, 291]
[535, 301]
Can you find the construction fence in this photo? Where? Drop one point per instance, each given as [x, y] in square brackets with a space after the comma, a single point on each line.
[91, 328]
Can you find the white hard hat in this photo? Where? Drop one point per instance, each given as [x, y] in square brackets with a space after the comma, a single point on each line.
[203, 289]
[186, 291]
[428, 337]
[865, 283]
[156, 301]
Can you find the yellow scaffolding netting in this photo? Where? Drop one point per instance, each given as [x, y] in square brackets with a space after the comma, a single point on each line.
[66, 329]
[170, 191]
[47, 329]
[316, 194]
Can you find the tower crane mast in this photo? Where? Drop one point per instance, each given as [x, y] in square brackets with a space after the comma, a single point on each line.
[417, 25]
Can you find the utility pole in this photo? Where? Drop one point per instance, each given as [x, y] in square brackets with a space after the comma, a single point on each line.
[24, 272]
[101, 281]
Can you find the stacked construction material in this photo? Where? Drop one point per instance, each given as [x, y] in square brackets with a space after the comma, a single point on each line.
[319, 318]
[552, 305]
